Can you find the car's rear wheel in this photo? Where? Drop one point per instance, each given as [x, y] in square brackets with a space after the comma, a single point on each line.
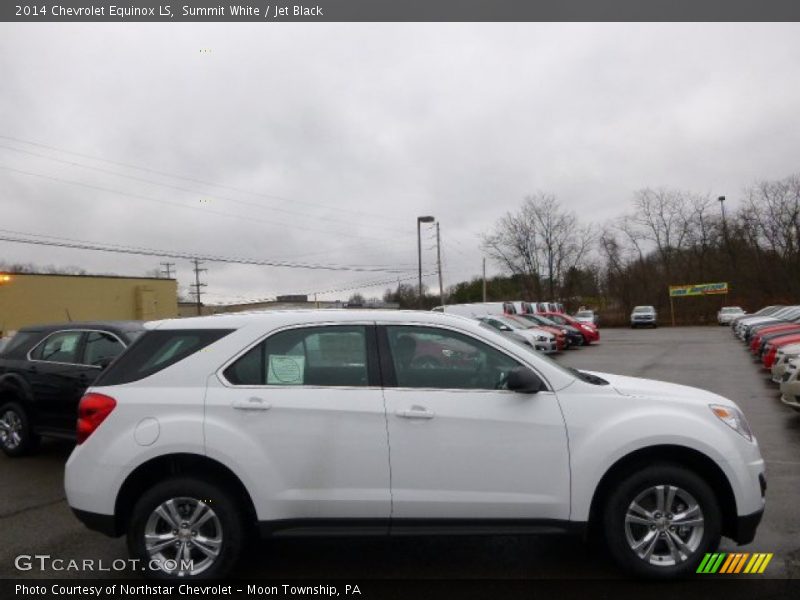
[186, 528]
[660, 521]
[16, 432]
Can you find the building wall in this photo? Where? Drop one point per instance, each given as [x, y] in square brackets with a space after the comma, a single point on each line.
[32, 299]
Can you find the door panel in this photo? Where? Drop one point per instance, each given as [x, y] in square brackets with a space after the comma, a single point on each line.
[468, 451]
[57, 380]
[300, 418]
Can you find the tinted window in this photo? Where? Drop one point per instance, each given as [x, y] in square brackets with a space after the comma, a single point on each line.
[100, 346]
[326, 356]
[19, 342]
[426, 357]
[157, 350]
[59, 347]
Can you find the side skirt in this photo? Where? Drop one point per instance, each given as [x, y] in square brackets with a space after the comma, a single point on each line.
[422, 527]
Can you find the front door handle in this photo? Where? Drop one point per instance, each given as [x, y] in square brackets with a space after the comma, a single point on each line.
[416, 412]
[252, 404]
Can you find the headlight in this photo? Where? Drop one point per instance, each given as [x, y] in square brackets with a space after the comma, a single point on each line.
[734, 419]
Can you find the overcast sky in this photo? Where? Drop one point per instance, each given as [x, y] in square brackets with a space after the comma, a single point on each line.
[326, 141]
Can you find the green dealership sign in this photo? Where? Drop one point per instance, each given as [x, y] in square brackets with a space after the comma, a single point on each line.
[698, 289]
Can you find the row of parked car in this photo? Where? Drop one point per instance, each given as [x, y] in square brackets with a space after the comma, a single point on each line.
[542, 325]
[772, 335]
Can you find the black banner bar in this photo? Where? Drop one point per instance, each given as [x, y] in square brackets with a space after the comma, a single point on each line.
[270, 11]
[700, 588]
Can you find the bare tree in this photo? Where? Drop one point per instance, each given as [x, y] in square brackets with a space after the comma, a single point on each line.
[542, 242]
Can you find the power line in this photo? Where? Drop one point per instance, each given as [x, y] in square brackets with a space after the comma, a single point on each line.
[83, 245]
[186, 178]
[185, 206]
[187, 190]
[167, 270]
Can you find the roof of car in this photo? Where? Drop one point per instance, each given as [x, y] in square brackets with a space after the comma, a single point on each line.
[114, 325]
[322, 315]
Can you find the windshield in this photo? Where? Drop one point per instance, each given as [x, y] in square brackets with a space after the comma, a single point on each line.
[512, 323]
[643, 309]
[585, 313]
[731, 309]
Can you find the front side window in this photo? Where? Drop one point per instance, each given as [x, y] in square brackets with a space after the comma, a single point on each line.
[318, 356]
[60, 347]
[100, 346]
[427, 357]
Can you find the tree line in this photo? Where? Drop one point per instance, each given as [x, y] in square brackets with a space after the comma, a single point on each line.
[667, 237]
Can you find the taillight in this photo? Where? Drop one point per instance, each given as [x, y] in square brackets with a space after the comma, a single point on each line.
[93, 410]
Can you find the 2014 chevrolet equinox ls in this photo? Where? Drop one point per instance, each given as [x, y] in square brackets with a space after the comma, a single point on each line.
[293, 421]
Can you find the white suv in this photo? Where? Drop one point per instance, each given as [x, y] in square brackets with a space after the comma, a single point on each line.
[353, 422]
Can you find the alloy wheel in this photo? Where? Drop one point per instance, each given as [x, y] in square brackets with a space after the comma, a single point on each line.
[184, 535]
[10, 430]
[664, 525]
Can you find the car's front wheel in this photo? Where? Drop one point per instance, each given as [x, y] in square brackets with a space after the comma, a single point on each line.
[16, 431]
[186, 528]
[660, 521]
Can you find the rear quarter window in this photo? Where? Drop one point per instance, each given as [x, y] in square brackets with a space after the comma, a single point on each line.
[155, 351]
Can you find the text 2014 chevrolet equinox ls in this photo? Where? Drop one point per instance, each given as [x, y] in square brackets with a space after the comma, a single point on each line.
[293, 421]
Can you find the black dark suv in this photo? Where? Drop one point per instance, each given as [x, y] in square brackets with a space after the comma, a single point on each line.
[44, 371]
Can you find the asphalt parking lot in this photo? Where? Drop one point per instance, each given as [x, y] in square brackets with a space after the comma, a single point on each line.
[35, 519]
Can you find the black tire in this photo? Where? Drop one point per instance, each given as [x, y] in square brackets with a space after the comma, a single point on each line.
[629, 489]
[17, 437]
[227, 525]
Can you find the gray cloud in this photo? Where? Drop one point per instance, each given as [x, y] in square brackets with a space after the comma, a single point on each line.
[357, 129]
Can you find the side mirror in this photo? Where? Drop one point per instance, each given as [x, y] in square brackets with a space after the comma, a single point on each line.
[524, 381]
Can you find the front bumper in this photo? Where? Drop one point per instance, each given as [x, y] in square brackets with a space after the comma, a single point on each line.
[746, 527]
[546, 347]
[778, 369]
[106, 524]
[643, 321]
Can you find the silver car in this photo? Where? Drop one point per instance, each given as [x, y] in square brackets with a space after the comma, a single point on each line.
[727, 314]
[644, 316]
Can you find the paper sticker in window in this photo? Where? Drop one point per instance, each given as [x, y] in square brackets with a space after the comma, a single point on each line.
[285, 370]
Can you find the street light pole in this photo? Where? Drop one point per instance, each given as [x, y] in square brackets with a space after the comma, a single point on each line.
[425, 219]
[439, 263]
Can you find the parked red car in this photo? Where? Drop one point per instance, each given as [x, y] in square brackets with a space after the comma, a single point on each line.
[589, 331]
[771, 349]
[755, 342]
[561, 338]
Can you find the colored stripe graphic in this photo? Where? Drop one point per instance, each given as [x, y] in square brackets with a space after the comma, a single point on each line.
[765, 563]
[729, 562]
[741, 562]
[733, 563]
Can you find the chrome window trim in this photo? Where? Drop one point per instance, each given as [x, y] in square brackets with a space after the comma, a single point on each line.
[56, 362]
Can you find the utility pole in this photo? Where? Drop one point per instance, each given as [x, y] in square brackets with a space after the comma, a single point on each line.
[439, 263]
[167, 270]
[197, 285]
[484, 279]
[424, 219]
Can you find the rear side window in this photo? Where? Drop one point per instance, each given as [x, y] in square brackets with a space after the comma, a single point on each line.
[157, 350]
[60, 347]
[333, 356]
[18, 343]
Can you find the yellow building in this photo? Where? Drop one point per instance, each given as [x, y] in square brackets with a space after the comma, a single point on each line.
[33, 299]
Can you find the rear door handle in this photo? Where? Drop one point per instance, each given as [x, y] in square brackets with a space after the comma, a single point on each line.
[252, 404]
[416, 412]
